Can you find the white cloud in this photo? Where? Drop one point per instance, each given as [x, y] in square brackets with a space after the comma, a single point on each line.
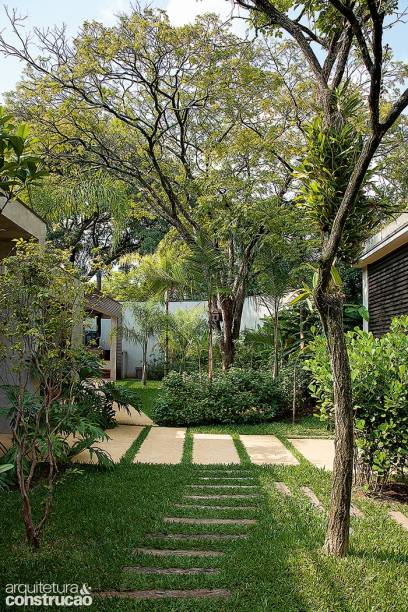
[181, 12]
[110, 9]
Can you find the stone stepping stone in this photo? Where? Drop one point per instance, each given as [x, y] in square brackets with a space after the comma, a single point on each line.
[208, 521]
[120, 440]
[167, 593]
[171, 571]
[356, 512]
[222, 486]
[283, 488]
[214, 448]
[222, 471]
[235, 478]
[318, 451]
[312, 497]
[236, 496]
[169, 552]
[163, 445]
[399, 518]
[267, 450]
[196, 507]
[198, 536]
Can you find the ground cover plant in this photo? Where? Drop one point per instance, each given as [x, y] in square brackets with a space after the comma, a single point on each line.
[101, 516]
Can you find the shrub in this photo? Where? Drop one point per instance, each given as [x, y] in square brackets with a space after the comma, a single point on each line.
[379, 369]
[238, 396]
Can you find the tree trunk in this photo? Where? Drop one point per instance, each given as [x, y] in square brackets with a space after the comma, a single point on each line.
[330, 308]
[144, 363]
[231, 308]
[166, 340]
[275, 369]
[210, 343]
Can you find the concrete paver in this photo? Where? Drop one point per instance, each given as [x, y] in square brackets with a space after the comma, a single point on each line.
[214, 449]
[121, 438]
[163, 445]
[318, 451]
[267, 450]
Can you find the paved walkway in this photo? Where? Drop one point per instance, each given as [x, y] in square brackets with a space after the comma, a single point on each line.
[318, 451]
[163, 445]
[214, 448]
[121, 438]
[134, 418]
[267, 450]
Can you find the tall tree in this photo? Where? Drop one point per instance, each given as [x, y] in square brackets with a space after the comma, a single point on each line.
[189, 118]
[337, 38]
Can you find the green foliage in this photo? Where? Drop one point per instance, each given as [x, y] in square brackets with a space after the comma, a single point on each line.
[379, 370]
[188, 337]
[237, 396]
[331, 153]
[19, 167]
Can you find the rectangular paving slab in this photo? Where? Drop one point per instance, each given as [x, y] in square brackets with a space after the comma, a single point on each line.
[214, 448]
[245, 478]
[283, 488]
[171, 571]
[196, 507]
[237, 496]
[267, 450]
[208, 521]
[169, 552]
[399, 518]
[167, 594]
[222, 486]
[313, 498]
[120, 440]
[197, 536]
[319, 452]
[163, 445]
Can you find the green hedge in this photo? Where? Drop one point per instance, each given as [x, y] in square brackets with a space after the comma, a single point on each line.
[238, 396]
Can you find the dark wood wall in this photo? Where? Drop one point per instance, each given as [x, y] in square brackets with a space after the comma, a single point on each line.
[387, 290]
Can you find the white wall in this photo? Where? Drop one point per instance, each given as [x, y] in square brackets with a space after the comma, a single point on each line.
[252, 316]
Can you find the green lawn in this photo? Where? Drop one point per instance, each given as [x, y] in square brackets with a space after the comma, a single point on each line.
[100, 516]
[147, 393]
[304, 426]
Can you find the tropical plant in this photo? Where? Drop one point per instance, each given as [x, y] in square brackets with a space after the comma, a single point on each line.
[149, 320]
[41, 306]
[379, 373]
[19, 166]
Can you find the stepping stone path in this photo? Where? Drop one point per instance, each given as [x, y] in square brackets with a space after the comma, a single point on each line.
[190, 537]
[399, 518]
[282, 488]
[267, 450]
[163, 445]
[120, 440]
[313, 498]
[319, 452]
[214, 448]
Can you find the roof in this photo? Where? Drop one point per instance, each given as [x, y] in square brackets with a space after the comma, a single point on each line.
[17, 216]
[104, 305]
[387, 240]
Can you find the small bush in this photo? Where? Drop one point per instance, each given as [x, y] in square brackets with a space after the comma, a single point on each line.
[379, 370]
[238, 396]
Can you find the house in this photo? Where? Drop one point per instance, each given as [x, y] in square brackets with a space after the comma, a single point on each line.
[384, 264]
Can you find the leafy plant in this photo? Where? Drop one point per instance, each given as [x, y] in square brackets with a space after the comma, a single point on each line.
[237, 396]
[379, 372]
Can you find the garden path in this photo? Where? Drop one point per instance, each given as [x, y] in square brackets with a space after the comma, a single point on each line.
[320, 452]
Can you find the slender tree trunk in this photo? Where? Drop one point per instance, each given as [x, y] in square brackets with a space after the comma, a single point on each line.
[210, 343]
[166, 339]
[231, 308]
[330, 308]
[294, 396]
[275, 370]
[144, 363]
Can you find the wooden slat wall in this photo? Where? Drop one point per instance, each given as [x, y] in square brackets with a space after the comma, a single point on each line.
[387, 290]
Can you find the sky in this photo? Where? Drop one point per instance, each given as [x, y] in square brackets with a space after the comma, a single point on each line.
[73, 13]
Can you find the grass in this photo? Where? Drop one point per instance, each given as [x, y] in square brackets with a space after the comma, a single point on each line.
[146, 393]
[308, 426]
[99, 516]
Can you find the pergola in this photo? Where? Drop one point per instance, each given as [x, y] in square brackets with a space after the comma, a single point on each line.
[107, 308]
